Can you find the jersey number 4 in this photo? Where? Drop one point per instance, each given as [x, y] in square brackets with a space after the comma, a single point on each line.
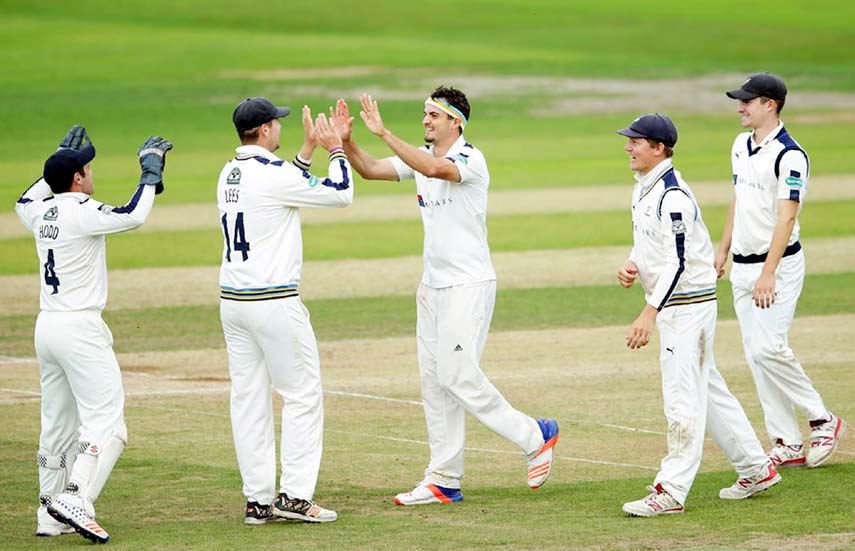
[50, 275]
[240, 242]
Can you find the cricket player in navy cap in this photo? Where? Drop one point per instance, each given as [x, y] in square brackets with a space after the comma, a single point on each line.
[672, 257]
[770, 184]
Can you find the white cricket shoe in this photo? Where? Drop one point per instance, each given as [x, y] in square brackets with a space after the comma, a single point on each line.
[69, 508]
[785, 456]
[824, 438]
[744, 488]
[425, 493]
[540, 463]
[301, 509]
[659, 502]
[49, 527]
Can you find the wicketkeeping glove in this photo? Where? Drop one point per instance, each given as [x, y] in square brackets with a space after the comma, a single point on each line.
[153, 160]
[77, 138]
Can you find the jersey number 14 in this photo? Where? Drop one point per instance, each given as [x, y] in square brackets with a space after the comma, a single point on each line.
[240, 242]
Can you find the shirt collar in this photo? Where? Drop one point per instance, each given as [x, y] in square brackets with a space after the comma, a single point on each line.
[646, 181]
[249, 151]
[768, 139]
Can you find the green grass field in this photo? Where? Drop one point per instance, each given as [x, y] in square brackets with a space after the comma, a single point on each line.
[549, 83]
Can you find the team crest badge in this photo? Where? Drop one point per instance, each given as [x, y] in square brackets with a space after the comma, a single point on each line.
[234, 176]
[678, 227]
[51, 214]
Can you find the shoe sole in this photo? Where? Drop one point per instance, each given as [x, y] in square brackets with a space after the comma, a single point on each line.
[792, 464]
[827, 456]
[91, 536]
[304, 518]
[257, 521]
[547, 446]
[652, 514]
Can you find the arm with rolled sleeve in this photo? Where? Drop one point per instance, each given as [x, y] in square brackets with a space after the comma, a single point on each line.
[676, 224]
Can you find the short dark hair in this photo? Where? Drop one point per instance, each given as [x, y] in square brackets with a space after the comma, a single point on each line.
[455, 98]
[64, 186]
[251, 135]
[779, 103]
[669, 151]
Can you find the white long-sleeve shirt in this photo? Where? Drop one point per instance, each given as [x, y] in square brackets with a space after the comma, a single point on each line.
[455, 218]
[69, 229]
[671, 244]
[259, 197]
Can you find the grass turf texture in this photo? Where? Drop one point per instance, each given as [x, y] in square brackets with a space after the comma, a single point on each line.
[198, 327]
[126, 70]
[397, 238]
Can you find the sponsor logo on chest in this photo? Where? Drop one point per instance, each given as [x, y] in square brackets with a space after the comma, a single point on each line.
[430, 203]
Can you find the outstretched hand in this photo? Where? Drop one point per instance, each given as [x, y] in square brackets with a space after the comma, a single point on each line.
[370, 115]
[76, 138]
[342, 120]
[152, 155]
[310, 135]
[326, 132]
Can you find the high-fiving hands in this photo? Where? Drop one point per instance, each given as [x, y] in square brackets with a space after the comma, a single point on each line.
[370, 115]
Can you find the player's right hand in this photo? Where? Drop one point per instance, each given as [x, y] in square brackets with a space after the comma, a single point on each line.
[720, 262]
[342, 120]
[326, 132]
[76, 138]
[627, 274]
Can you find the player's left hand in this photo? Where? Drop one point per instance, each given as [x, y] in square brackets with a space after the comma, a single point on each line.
[342, 120]
[152, 155]
[370, 114]
[764, 291]
[76, 138]
[310, 135]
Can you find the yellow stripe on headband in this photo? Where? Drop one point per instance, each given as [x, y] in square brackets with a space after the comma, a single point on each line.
[447, 108]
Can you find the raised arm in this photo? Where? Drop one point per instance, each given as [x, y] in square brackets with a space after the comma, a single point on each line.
[418, 160]
[367, 166]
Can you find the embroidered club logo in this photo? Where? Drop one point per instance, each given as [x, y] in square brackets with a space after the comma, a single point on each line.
[51, 214]
[678, 227]
[234, 177]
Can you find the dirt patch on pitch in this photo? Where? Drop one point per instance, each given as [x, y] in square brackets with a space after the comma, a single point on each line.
[397, 276]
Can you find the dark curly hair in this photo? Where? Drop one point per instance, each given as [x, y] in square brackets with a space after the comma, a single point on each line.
[454, 97]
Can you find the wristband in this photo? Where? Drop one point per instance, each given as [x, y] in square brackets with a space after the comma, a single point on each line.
[337, 149]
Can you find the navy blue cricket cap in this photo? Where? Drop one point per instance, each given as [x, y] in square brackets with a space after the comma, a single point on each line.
[253, 112]
[653, 126]
[62, 165]
[760, 84]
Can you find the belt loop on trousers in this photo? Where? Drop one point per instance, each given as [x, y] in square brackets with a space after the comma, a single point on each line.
[757, 258]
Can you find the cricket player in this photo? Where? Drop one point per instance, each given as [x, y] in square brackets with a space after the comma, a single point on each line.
[457, 292]
[269, 339]
[770, 182]
[672, 257]
[83, 428]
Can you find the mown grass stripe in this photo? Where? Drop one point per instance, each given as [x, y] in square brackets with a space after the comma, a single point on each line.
[401, 238]
[198, 327]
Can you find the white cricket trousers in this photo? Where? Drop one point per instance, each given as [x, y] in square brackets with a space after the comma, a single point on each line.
[271, 345]
[781, 382]
[696, 399]
[451, 331]
[82, 395]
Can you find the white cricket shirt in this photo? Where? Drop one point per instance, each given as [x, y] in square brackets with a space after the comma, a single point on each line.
[776, 168]
[69, 229]
[454, 217]
[259, 196]
[671, 243]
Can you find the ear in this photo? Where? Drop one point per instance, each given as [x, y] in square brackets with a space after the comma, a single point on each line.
[659, 149]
